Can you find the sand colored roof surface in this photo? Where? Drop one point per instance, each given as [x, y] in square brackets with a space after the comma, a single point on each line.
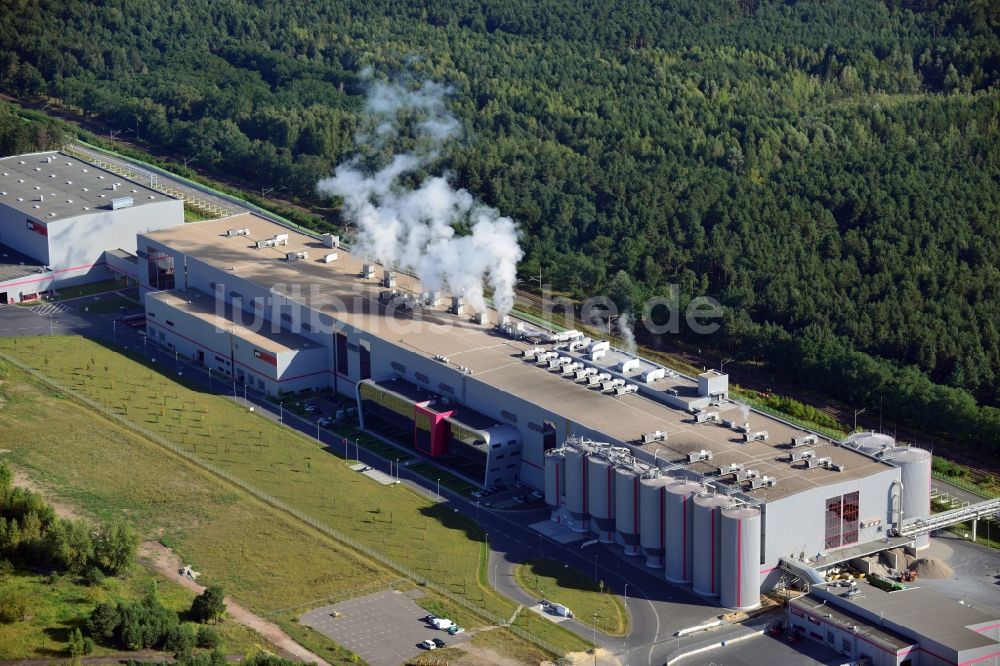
[495, 359]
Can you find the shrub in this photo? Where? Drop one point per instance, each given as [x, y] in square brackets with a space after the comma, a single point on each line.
[13, 606]
[180, 641]
[209, 605]
[208, 638]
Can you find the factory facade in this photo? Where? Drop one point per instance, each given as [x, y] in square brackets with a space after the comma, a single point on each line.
[725, 499]
[65, 222]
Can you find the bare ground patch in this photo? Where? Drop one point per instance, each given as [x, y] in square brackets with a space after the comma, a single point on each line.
[163, 560]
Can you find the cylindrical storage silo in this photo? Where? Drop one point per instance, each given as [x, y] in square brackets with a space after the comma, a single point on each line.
[871, 442]
[915, 475]
[739, 573]
[678, 530]
[627, 509]
[576, 490]
[706, 535]
[652, 500]
[601, 498]
[555, 484]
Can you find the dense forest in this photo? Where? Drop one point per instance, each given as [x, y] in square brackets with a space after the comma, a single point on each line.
[828, 171]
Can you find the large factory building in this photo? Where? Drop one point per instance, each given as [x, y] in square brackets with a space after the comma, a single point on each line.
[64, 222]
[720, 497]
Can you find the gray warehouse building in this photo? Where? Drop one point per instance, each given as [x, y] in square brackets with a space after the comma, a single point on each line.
[65, 222]
[720, 497]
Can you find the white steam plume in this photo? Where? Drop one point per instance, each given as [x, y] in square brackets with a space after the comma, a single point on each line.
[628, 335]
[414, 229]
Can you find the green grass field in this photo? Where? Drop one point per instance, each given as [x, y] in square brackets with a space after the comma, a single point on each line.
[547, 579]
[58, 604]
[87, 289]
[210, 522]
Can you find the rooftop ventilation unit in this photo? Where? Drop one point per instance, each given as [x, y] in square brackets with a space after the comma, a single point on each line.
[457, 305]
[264, 243]
[655, 436]
[542, 358]
[595, 380]
[514, 330]
[818, 462]
[705, 417]
[762, 482]
[598, 354]
[796, 456]
[368, 271]
[650, 376]
[626, 389]
[121, 202]
[329, 258]
[332, 241]
[237, 232]
[579, 344]
[611, 384]
[296, 256]
[603, 345]
[432, 298]
[730, 469]
[280, 239]
[759, 436]
[389, 279]
[583, 373]
[530, 354]
[803, 441]
[441, 357]
[569, 370]
[697, 456]
[628, 365]
[483, 318]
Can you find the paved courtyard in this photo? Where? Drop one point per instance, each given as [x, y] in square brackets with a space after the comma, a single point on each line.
[383, 628]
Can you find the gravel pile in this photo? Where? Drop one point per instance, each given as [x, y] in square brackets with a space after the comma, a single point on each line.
[933, 568]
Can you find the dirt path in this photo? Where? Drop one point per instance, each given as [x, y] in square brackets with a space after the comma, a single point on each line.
[62, 510]
[163, 560]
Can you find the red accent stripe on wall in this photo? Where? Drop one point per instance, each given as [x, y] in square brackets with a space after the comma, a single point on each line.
[48, 276]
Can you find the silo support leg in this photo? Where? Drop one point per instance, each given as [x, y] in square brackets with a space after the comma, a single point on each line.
[974, 522]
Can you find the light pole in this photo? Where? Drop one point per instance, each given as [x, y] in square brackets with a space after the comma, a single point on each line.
[630, 626]
[723, 364]
[397, 469]
[856, 412]
[495, 567]
[477, 512]
[51, 332]
[177, 362]
[145, 340]
[281, 413]
[210, 379]
[114, 331]
[595, 638]
[357, 455]
[317, 431]
[439, 490]
[245, 402]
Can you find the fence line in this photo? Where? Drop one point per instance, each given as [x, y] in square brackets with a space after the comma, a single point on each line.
[963, 484]
[335, 534]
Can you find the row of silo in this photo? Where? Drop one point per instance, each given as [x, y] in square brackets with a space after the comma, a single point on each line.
[701, 539]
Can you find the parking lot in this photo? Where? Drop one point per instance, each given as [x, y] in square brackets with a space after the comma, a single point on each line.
[383, 628]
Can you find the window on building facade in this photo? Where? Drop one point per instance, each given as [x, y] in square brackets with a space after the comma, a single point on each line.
[842, 514]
